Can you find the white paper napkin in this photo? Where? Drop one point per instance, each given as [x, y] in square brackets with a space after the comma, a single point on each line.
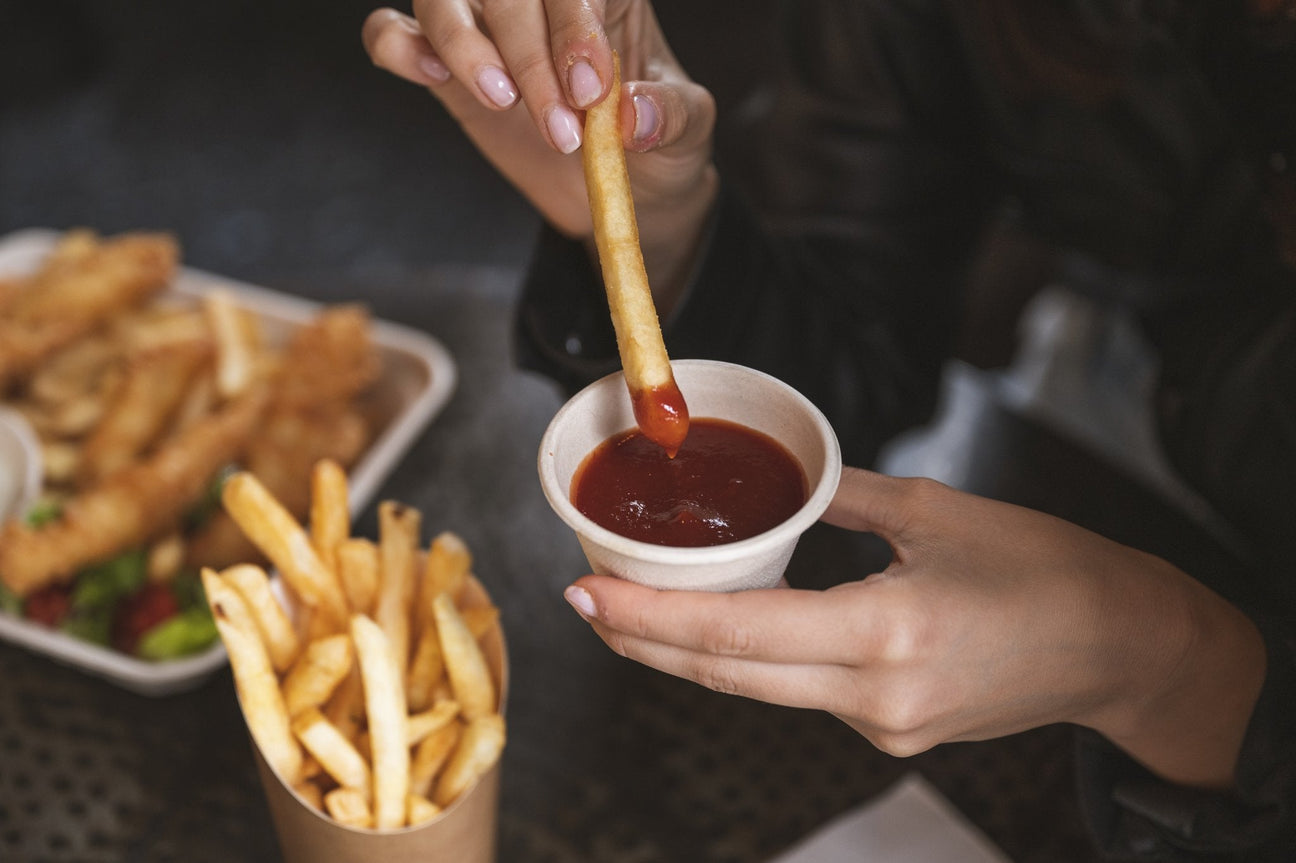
[911, 822]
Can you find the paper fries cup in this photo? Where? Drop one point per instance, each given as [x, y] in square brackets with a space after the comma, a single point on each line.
[712, 389]
[464, 832]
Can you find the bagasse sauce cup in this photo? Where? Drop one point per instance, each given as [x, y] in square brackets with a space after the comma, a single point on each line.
[711, 389]
[465, 832]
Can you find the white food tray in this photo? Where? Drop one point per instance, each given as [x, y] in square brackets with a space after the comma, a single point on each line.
[417, 379]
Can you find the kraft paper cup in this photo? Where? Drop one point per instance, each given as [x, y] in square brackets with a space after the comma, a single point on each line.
[464, 833]
[711, 389]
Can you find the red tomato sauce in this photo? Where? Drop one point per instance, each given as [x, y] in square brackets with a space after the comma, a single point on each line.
[662, 415]
[726, 482]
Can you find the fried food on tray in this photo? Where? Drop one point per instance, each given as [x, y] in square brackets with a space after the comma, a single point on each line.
[137, 503]
[156, 382]
[143, 400]
[315, 416]
[83, 284]
[359, 750]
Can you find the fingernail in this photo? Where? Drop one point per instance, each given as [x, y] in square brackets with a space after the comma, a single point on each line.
[497, 86]
[580, 600]
[584, 82]
[646, 118]
[563, 128]
[433, 68]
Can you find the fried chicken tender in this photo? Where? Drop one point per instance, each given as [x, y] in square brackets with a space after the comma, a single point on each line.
[157, 381]
[139, 502]
[79, 287]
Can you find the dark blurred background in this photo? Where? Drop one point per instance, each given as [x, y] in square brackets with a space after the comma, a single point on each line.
[260, 134]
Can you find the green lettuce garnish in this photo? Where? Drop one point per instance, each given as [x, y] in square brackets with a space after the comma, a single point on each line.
[187, 632]
[101, 585]
[9, 601]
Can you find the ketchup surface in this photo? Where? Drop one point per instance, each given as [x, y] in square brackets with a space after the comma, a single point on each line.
[725, 483]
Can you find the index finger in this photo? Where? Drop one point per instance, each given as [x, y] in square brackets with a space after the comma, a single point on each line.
[784, 626]
[888, 506]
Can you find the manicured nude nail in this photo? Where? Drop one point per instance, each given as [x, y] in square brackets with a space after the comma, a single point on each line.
[433, 68]
[564, 129]
[580, 599]
[585, 84]
[646, 118]
[497, 86]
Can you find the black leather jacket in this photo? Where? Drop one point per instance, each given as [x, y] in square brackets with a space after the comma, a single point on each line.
[898, 134]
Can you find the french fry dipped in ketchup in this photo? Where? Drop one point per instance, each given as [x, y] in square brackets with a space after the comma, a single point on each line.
[659, 407]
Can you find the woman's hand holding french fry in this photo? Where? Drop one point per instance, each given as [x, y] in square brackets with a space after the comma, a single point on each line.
[334, 711]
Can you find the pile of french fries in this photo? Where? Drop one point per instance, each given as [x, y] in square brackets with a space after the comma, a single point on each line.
[367, 690]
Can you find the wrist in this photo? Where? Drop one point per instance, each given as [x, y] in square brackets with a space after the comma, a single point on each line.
[1184, 711]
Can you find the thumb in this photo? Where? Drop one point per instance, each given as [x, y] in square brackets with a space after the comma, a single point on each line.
[658, 114]
[871, 502]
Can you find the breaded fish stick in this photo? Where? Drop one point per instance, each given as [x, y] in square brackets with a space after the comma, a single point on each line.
[134, 505]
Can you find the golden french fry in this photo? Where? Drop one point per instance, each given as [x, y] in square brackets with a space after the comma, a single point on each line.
[281, 538]
[235, 347]
[345, 707]
[165, 558]
[234, 607]
[333, 751]
[480, 619]
[330, 514]
[254, 678]
[60, 461]
[358, 568]
[316, 623]
[421, 809]
[431, 755]
[310, 767]
[272, 621]
[432, 720]
[466, 667]
[310, 793]
[426, 668]
[321, 667]
[445, 570]
[398, 537]
[384, 690]
[644, 360]
[479, 748]
[199, 401]
[348, 807]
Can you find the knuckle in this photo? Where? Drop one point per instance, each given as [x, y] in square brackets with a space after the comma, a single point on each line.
[905, 636]
[572, 27]
[922, 493]
[727, 638]
[717, 676]
[534, 68]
